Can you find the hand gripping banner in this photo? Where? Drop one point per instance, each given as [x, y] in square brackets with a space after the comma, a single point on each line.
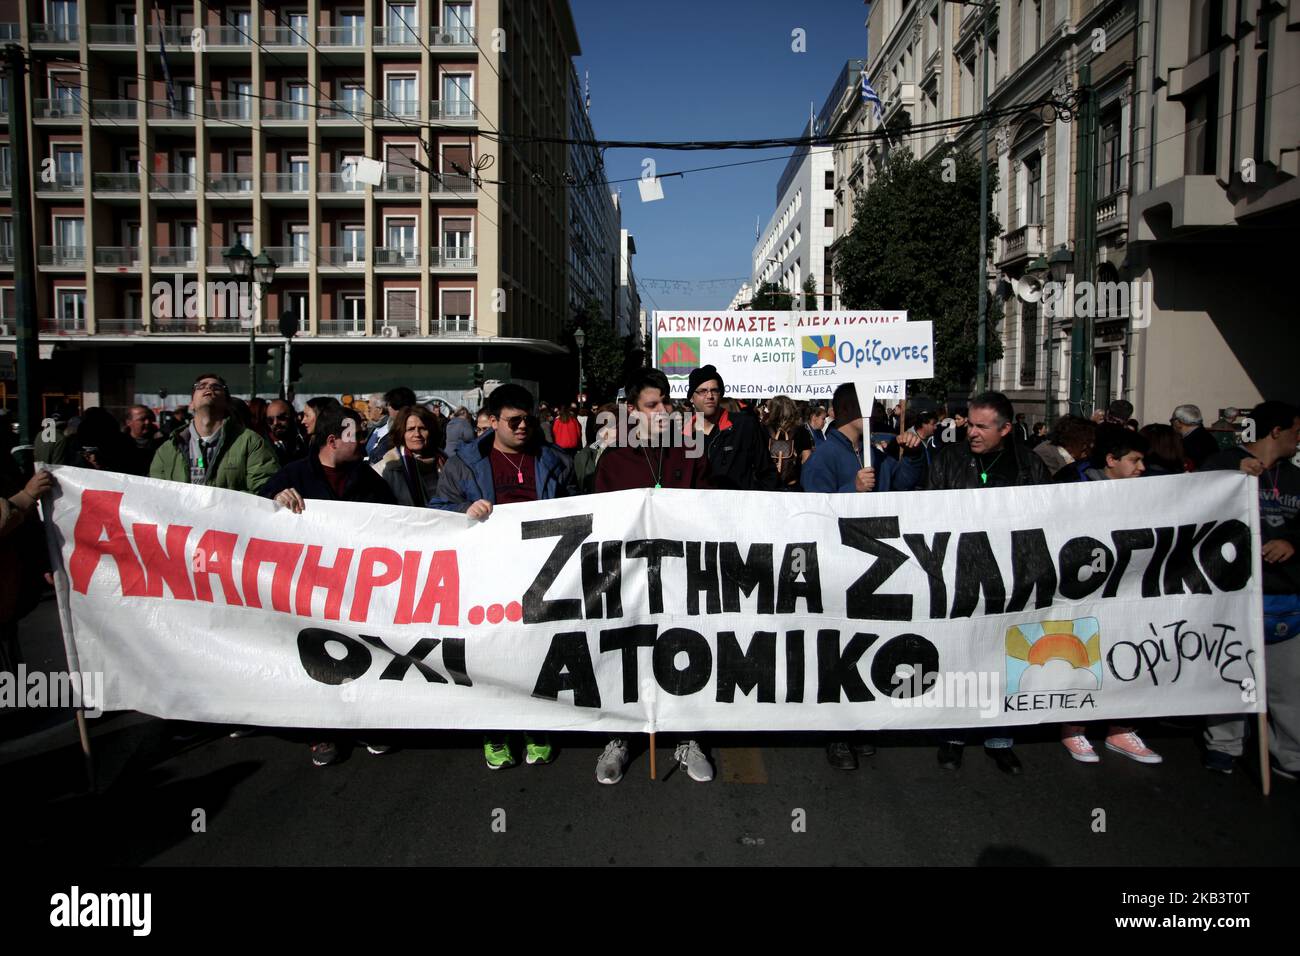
[667, 610]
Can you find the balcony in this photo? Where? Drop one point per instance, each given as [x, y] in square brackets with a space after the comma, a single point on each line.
[177, 38]
[182, 112]
[174, 325]
[336, 111]
[63, 325]
[344, 257]
[112, 34]
[174, 257]
[450, 327]
[117, 257]
[453, 258]
[63, 34]
[290, 257]
[1112, 212]
[340, 183]
[291, 183]
[115, 182]
[397, 36]
[229, 36]
[402, 257]
[1023, 243]
[114, 110]
[173, 183]
[453, 110]
[63, 182]
[350, 327]
[353, 36]
[452, 184]
[240, 111]
[393, 329]
[63, 108]
[397, 109]
[61, 256]
[286, 36]
[286, 112]
[230, 183]
[229, 325]
[400, 183]
[454, 35]
[133, 326]
[901, 97]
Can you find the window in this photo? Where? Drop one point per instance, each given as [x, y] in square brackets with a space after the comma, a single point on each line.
[6, 167]
[299, 174]
[354, 245]
[402, 309]
[400, 241]
[456, 239]
[63, 21]
[65, 92]
[67, 167]
[402, 22]
[297, 96]
[1201, 133]
[458, 22]
[399, 171]
[1028, 343]
[353, 29]
[298, 25]
[830, 179]
[348, 173]
[295, 303]
[352, 98]
[70, 309]
[401, 95]
[456, 314]
[1206, 26]
[1033, 190]
[241, 161]
[300, 244]
[242, 232]
[131, 239]
[1109, 160]
[456, 95]
[6, 239]
[241, 91]
[188, 241]
[69, 237]
[352, 311]
[829, 220]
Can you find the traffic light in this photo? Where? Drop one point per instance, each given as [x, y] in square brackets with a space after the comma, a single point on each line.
[295, 368]
[275, 361]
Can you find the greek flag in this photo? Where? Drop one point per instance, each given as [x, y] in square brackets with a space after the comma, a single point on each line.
[869, 96]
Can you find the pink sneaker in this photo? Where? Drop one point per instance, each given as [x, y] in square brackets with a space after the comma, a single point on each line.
[1080, 749]
[1131, 746]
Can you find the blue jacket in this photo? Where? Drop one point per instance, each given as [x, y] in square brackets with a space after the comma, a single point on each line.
[834, 467]
[467, 476]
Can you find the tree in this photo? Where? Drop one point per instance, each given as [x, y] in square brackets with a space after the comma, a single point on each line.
[915, 246]
[770, 297]
[605, 353]
[810, 293]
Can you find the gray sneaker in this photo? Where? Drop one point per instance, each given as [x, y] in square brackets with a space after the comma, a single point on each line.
[609, 768]
[693, 761]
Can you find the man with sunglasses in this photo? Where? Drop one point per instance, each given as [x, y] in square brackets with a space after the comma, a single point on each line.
[282, 429]
[508, 464]
[215, 449]
[735, 445]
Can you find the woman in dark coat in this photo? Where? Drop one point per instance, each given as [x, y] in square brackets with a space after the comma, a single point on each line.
[411, 466]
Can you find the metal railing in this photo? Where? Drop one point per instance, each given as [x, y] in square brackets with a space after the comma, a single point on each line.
[112, 34]
[64, 107]
[174, 256]
[340, 111]
[177, 38]
[229, 36]
[341, 327]
[116, 326]
[290, 257]
[340, 183]
[63, 182]
[286, 36]
[453, 35]
[228, 324]
[62, 325]
[404, 256]
[115, 182]
[397, 109]
[54, 32]
[238, 109]
[399, 327]
[172, 182]
[453, 109]
[114, 109]
[397, 36]
[353, 257]
[451, 327]
[400, 183]
[174, 324]
[162, 110]
[230, 182]
[451, 184]
[453, 257]
[61, 256]
[280, 110]
[342, 36]
[286, 182]
[117, 256]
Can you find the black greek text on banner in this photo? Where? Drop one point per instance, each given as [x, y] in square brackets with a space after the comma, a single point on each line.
[665, 609]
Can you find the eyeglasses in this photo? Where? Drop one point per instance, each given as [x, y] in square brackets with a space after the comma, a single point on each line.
[706, 392]
[514, 421]
[209, 387]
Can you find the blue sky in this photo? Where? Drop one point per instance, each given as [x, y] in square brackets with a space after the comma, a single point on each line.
[708, 69]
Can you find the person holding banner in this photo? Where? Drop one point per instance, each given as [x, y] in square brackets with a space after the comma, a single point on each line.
[650, 459]
[989, 458]
[1277, 427]
[509, 464]
[735, 444]
[334, 470]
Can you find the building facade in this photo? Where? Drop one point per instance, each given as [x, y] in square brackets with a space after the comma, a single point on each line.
[593, 245]
[159, 139]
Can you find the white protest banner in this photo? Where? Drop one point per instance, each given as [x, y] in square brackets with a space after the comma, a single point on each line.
[665, 610]
[800, 354]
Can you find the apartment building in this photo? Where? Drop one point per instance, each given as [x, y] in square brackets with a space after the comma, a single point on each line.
[162, 136]
[628, 310]
[593, 248]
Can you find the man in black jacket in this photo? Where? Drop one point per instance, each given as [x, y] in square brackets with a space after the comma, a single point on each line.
[989, 458]
[1198, 444]
[737, 447]
[334, 470]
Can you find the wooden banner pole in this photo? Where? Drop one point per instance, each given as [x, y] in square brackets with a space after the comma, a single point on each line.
[652, 755]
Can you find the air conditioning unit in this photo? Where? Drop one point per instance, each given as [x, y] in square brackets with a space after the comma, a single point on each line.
[389, 332]
[445, 38]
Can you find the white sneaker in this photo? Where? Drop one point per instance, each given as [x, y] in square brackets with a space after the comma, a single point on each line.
[693, 761]
[609, 768]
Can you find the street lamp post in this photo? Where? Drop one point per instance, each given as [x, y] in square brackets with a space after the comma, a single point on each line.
[580, 338]
[262, 271]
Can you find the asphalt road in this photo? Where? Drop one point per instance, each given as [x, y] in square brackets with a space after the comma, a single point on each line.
[775, 801]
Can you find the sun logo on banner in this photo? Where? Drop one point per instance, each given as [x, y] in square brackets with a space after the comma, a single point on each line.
[818, 351]
[1054, 655]
[679, 357]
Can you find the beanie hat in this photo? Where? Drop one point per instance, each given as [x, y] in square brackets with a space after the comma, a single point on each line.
[699, 376]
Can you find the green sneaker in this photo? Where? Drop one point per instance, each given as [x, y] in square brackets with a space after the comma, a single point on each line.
[539, 750]
[497, 754]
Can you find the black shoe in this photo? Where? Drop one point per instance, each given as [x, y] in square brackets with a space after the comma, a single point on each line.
[1279, 771]
[865, 750]
[950, 756]
[1006, 760]
[325, 753]
[840, 756]
[1218, 762]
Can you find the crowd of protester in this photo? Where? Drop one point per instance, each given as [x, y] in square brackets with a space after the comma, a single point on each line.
[402, 452]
